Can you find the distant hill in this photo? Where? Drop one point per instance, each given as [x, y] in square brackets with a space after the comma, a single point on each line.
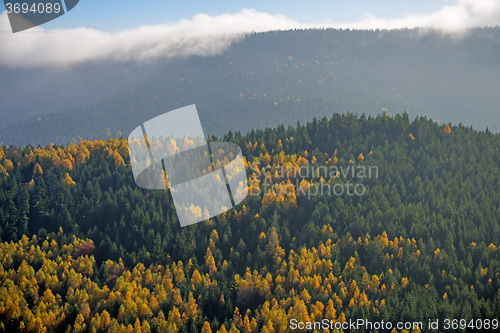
[288, 76]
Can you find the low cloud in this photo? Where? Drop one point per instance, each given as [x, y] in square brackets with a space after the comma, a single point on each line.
[202, 35]
[454, 19]
[205, 35]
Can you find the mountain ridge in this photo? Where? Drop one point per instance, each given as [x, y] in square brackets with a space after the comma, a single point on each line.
[273, 77]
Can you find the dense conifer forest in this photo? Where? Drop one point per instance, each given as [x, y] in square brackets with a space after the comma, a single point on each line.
[83, 249]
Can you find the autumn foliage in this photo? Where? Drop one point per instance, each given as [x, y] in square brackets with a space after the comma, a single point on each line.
[422, 242]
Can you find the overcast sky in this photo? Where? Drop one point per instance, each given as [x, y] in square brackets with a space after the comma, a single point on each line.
[136, 30]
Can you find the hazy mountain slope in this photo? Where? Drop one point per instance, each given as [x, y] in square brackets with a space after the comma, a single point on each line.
[284, 77]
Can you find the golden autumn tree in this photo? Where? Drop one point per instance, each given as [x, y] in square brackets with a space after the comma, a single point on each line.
[37, 169]
[118, 159]
[222, 329]
[246, 325]
[66, 164]
[210, 262]
[361, 158]
[8, 165]
[68, 181]
[298, 311]
[191, 308]
[174, 317]
[404, 282]
[233, 329]
[330, 312]
[196, 279]
[177, 298]
[206, 328]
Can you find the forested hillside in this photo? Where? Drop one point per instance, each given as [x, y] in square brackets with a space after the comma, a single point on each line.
[84, 249]
[268, 79]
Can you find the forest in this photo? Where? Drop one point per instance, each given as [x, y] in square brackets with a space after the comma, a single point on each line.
[83, 249]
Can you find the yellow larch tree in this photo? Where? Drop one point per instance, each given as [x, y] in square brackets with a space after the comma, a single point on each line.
[210, 262]
[68, 181]
[206, 328]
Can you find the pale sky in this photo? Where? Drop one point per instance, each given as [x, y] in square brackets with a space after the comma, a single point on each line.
[137, 30]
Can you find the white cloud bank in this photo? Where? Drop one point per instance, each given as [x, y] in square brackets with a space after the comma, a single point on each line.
[456, 18]
[204, 34]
